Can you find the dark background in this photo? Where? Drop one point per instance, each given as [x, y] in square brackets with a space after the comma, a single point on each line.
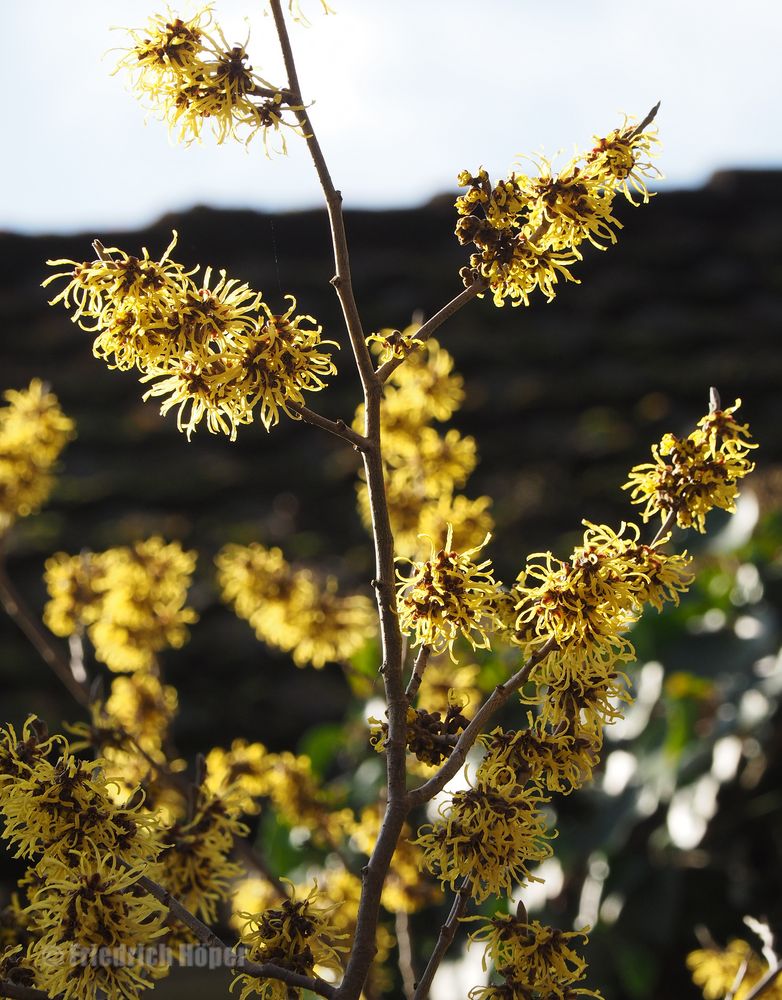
[562, 398]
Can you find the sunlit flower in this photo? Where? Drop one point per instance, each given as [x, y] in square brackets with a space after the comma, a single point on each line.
[490, 835]
[446, 596]
[131, 600]
[526, 230]
[87, 906]
[189, 73]
[296, 935]
[543, 958]
[396, 343]
[212, 354]
[690, 476]
[33, 432]
[63, 805]
[621, 161]
[555, 757]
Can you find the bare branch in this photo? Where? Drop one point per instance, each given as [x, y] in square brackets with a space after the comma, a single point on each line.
[444, 941]
[337, 427]
[18, 611]
[418, 673]
[373, 875]
[428, 328]
[405, 948]
[498, 697]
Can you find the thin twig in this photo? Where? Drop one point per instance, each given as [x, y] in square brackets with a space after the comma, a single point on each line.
[405, 949]
[336, 427]
[646, 121]
[418, 674]
[341, 280]
[428, 328]
[444, 941]
[20, 614]
[207, 936]
[664, 528]
[374, 873]
[738, 980]
[498, 697]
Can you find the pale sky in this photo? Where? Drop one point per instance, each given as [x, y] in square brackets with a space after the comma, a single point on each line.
[406, 92]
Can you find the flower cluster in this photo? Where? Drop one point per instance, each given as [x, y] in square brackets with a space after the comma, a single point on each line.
[215, 353]
[88, 855]
[571, 618]
[527, 230]
[490, 836]
[446, 596]
[63, 805]
[92, 906]
[197, 868]
[296, 935]
[533, 959]
[425, 468]
[430, 736]
[251, 772]
[130, 600]
[188, 72]
[690, 476]
[291, 609]
[33, 432]
[585, 605]
[339, 893]
[556, 759]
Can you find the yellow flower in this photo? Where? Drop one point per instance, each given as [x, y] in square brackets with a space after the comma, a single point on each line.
[296, 935]
[569, 208]
[489, 835]
[444, 683]
[195, 862]
[89, 908]
[291, 609]
[620, 160]
[447, 596]
[715, 970]
[142, 707]
[59, 807]
[555, 757]
[690, 476]
[586, 604]
[191, 75]
[294, 791]
[211, 353]
[244, 767]
[130, 599]
[33, 432]
[527, 230]
[396, 343]
[542, 958]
